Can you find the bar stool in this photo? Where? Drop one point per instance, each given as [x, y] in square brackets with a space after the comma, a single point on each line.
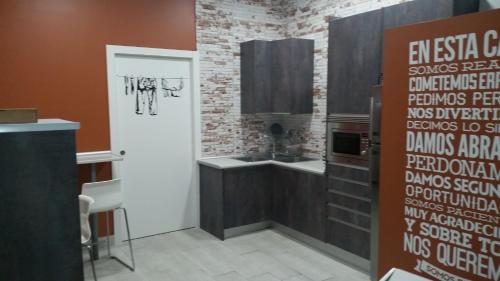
[85, 203]
[108, 197]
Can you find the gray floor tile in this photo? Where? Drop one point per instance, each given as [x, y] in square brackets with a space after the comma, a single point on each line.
[257, 263]
[298, 278]
[194, 255]
[313, 271]
[264, 277]
[230, 276]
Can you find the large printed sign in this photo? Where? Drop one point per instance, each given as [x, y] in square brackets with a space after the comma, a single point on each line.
[440, 153]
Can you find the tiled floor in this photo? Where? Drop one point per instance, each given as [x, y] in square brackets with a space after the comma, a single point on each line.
[194, 255]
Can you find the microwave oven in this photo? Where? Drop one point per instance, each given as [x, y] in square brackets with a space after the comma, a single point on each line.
[348, 139]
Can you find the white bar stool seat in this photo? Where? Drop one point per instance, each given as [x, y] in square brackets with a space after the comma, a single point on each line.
[108, 197]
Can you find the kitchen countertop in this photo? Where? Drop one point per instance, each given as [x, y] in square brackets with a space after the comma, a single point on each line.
[227, 162]
[94, 157]
[41, 125]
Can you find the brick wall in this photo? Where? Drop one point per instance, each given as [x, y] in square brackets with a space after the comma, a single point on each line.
[221, 26]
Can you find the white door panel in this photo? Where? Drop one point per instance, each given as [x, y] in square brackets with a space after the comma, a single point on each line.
[158, 165]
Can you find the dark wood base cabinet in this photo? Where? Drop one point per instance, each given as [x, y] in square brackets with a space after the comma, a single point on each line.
[348, 209]
[212, 201]
[233, 197]
[242, 196]
[247, 196]
[335, 209]
[299, 201]
[39, 214]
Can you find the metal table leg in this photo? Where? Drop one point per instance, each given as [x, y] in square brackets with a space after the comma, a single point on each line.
[94, 223]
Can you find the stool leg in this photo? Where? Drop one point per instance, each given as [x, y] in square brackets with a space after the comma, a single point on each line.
[107, 233]
[129, 241]
[132, 268]
[95, 238]
[89, 248]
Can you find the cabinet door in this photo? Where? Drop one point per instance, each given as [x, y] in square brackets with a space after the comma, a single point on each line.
[211, 204]
[299, 201]
[283, 182]
[247, 196]
[281, 76]
[255, 77]
[416, 11]
[354, 61]
[302, 69]
[292, 75]
[426, 10]
[307, 205]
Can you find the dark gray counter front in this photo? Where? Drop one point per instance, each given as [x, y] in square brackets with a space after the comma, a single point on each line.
[39, 214]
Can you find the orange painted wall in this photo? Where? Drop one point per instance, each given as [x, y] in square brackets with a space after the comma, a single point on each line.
[53, 53]
[53, 58]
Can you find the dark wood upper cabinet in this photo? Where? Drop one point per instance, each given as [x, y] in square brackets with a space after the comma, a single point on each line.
[256, 77]
[292, 75]
[426, 10]
[355, 50]
[354, 61]
[277, 76]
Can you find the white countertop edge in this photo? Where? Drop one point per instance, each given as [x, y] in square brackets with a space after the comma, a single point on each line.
[96, 157]
[307, 166]
[303, 166]
[221, 157]
[236, 164]
[40, 126]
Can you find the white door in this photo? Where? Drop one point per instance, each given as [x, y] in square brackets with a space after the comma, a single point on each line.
[151, 111]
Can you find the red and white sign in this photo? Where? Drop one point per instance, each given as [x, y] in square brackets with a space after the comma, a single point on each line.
[440, 153]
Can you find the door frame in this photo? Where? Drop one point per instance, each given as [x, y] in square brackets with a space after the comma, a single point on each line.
[111, 53]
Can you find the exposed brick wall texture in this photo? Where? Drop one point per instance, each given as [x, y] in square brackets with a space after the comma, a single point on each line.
[221, 25]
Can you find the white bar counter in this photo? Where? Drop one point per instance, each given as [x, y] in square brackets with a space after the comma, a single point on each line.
[41, 125]
[94, 157]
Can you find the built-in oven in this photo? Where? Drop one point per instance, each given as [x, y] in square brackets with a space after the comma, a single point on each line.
[348, 139]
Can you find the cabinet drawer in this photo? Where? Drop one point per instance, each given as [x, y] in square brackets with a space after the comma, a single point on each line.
[351, 239]
[348, 202]
[348, 216]
[360, 175]
[348, 187]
